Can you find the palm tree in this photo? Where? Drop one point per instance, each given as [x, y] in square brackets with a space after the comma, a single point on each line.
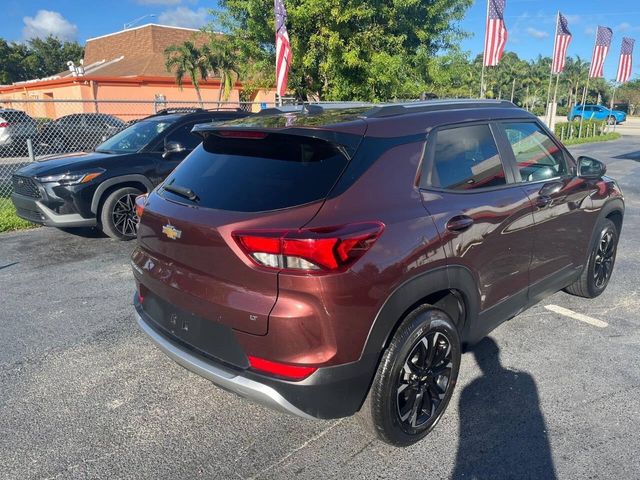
[576, 71]
[222, 60]
[187, 60]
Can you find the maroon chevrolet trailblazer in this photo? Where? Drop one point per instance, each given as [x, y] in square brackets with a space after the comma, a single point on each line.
[332, 260]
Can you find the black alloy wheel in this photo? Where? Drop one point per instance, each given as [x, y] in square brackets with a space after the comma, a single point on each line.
[599, 265]
[415, 379]
[424, 380]
[124, 215]
[604, 259]
[118, 217]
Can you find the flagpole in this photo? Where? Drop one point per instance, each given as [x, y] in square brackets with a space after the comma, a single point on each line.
[554, 103]
[613, 98]
[555, 42]
[586, 90]
[484, 52]
[513, 89]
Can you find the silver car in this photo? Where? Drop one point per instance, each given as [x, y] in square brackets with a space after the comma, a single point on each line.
[15, 128]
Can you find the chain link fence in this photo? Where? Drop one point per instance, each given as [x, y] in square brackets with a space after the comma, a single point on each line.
[32, 130]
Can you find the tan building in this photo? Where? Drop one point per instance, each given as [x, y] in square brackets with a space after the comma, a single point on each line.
[127, 65]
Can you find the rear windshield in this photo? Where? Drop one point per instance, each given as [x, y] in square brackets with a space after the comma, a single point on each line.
[254, 175]
[15, 116]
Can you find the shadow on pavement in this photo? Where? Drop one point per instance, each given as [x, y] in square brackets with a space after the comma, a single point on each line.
[629, 156]
[85, 232]
[502, 430]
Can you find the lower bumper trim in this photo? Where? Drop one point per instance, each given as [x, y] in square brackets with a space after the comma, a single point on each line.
[225, 379]
[35, 211]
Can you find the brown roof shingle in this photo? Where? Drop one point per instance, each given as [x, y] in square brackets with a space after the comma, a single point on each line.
[135, 52]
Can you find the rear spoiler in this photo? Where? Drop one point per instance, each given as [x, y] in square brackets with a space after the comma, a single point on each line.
[349, 141]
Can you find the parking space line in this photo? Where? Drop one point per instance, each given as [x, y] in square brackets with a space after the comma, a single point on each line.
[577, 316]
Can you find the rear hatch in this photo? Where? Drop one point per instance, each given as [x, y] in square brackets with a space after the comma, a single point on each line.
[239, 179]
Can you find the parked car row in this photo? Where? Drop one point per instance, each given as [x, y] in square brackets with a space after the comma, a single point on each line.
[333, 261]
[70, 133]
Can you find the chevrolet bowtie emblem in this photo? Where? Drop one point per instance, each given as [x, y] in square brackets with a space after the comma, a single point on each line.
[171, 232]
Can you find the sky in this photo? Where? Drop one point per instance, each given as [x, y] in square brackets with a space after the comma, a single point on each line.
[531, 23]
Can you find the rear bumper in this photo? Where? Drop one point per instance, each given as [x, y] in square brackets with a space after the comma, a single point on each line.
[221, 377]
[330, 392]
[35, 211]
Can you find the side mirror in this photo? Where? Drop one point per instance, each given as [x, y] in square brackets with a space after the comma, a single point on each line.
[591, 168]
[171, 148]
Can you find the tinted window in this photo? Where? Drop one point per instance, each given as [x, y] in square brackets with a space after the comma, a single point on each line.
[244, 175]
[537, 156]
[135, 137]
[184, 137]
[15, 116]
[467, 158]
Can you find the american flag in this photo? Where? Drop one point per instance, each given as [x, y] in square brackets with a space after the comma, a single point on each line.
[496, 35]
[626, 60]
[283, 48]
[563, 39]
[603, 42]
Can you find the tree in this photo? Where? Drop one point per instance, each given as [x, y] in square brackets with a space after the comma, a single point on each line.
[49, 56]
[186, 59]
[222, 60]
[630, 93]
[356, 50]
[38, 58]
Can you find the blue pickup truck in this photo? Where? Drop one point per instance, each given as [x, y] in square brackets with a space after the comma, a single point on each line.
[596, 112]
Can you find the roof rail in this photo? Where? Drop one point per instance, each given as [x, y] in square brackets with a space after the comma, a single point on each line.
[394, 109]
[313, 108]
[390, 109]
[170, 111]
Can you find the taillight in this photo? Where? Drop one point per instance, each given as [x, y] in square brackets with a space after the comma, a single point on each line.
[4, 124]
[243, 134]
[282, 370]
[313, 250]
[141, 201]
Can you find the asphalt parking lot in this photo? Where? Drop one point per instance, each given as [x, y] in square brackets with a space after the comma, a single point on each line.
[84, 394]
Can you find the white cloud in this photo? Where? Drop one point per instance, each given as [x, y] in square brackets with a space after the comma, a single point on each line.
[626, 27]
[573, 19]
[590, 30]
[539, 34]
[184, 17]
[167, 3]
[47, 23]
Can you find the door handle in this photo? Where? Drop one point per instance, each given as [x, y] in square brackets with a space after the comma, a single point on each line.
[543, 201]
[459, 223]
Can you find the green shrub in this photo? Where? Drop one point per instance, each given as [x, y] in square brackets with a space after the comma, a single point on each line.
[601, 138]
[570, 130]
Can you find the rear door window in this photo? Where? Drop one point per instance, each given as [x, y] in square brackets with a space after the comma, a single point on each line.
[466, 158]
[252, 175]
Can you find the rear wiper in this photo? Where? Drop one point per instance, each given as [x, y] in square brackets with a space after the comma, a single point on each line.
[182, 191]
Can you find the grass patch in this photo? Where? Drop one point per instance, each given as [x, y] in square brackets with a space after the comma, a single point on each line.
[9, 221]
[607, 137]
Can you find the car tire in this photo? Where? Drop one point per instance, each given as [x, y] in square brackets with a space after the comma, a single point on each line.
[576, 118]
[419, 367]
[118, 216]
[612, 121]
[602, 257]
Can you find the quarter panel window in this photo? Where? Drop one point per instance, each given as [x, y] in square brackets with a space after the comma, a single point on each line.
[537, 156]
[467, 158]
